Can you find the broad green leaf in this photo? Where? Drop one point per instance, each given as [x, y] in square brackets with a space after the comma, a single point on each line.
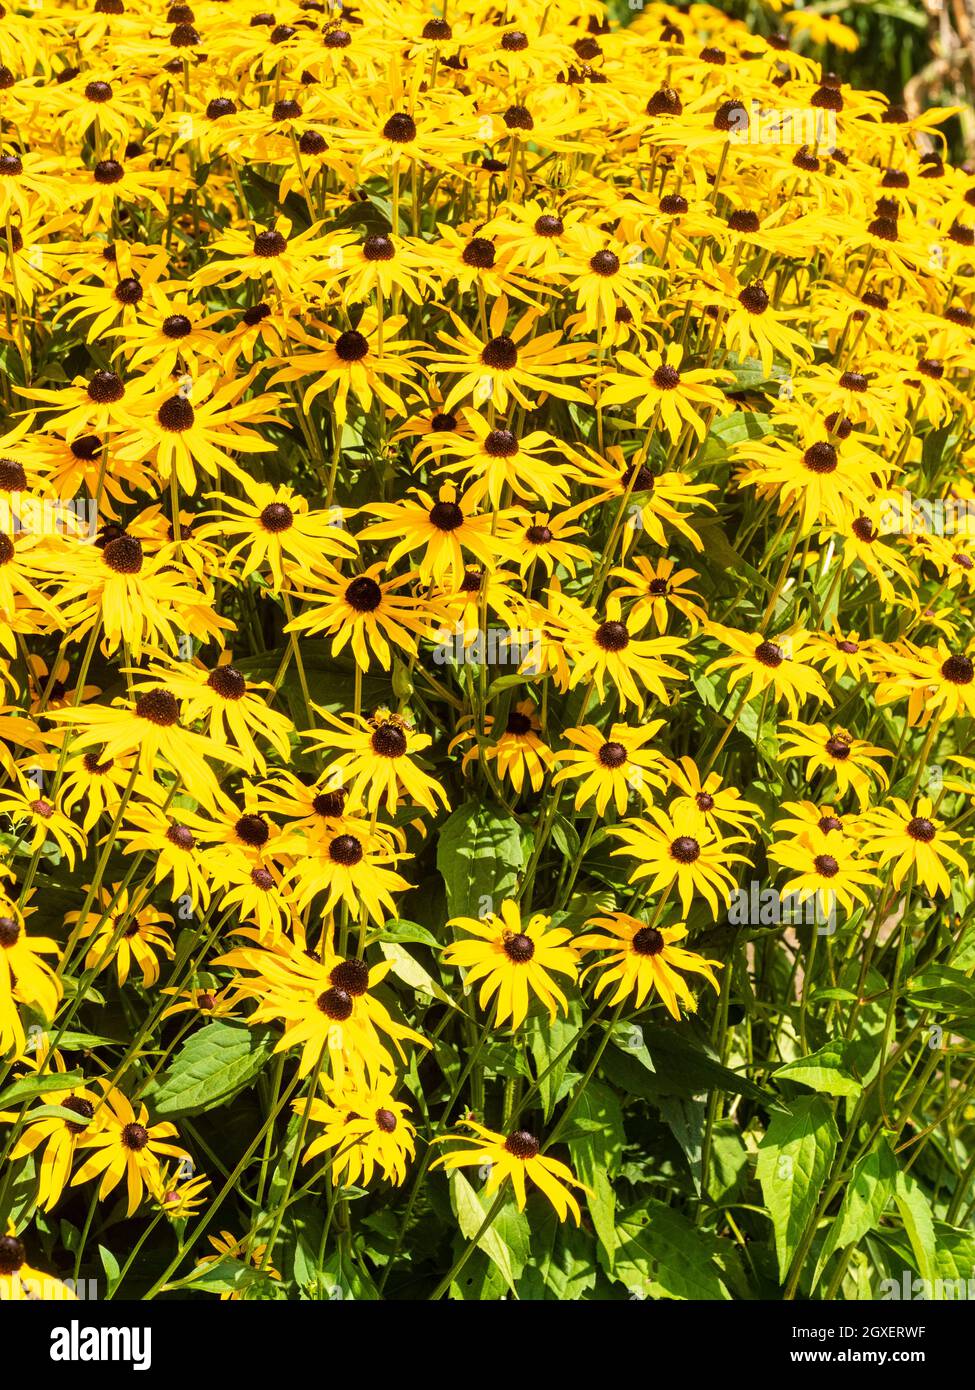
[470, 1213]
[660, 1254]
[211, 1067]
[479, 853]
[111, 1266]
[827, 1071]
[409, 932]
[412, 973]
[596, 1155]
[865, 1200]
[915, 1212]
[563, 1265]
[793, 1163]
[29, 1086]
[547, 1040]
[683, 1066]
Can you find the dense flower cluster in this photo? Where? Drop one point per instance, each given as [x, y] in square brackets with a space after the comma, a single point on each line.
[479, 492]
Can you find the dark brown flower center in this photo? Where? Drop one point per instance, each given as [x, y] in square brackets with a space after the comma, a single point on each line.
[500, 354]
[821, 458]
[269, 243]
[386, 1121]
[666, 378]
[446, 516]
[958, 670]
[79, 1106]
[108, 171]
[159, 707]
[612, 755]
[500, 444]
[135, 1137]
[518, 947]
[604, 263]
[378, 247]
[479, 253]
[389, 741]
[549, 226]
[176, 415]
[252, 830]
[685, 849]
[920, 828]
[228, 682]
[648, 942]
[364, 594]
[769, 654]
[105, 388]
[335, 1004]
[351, 975]
[12, 1256]
[124, 555]
[176, 326]
[522, 1145]
[351, 346]
[401, 128]
[612, 636]
[277, 517]
[345, 850]
[9, 932]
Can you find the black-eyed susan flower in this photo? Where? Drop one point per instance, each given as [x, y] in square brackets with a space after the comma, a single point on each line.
[612, 766]
[20, 1282]
[364, 1128]
[769, 663]
[644, 960]
[669, 857]
[54, 1139]
[914, 839]
[517, 1157]
[375, 759]
[25, 977]
[514, 960]
[852, 761]
[127, 1149]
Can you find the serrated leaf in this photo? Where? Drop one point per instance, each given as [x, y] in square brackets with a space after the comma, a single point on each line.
[29, 1086]
[479, 853]
[470, 1213]
[865, 1200]
[827, 1071]
[596, 1155]
[211, 1067]
[794, 1160]
[660, 1254]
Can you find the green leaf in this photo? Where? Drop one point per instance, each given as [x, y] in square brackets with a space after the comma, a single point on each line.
[111, 1266]
[563, 1265]
[915, 1212]
[683, 1066]
[29, 1086]
[211, 1068]
[479, 853]
[660, 1254]
[409, 932]
[412, 973]
[827, 1071]
[596, 1155]
[547, 1039]
[226, 1275]
[793, 1163]
[470, 1213]
[865, 1200]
